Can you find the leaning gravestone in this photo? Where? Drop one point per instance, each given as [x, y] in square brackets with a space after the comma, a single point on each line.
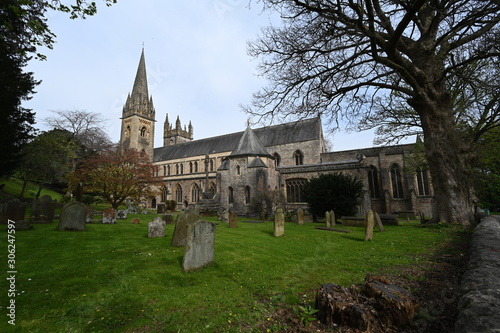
[279, 223]
[332, 218]
[370, 222]
[12, 210]
[233, 223]
[378, 221]
[300, 216]
[179, 236]
[327, 219]
[73, 216]
[109, 215]
[160, 208]
[199, 248]
[156, 228]
[43, 210]
[168, 218]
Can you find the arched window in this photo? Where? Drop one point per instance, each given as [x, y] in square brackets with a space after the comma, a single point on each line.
[247, 195]
[164, 170]
[164, 194]
[168, 170]
[211, 165]
[422, 181]
[127, 132]
[373, 183]
[177, 169]
[238, 170]
[295, 189]
[195, 166]
[178, 193]
[143, 152]
[298, 157]
[277, 159]
[182, 169]
[195, 193]
[143, 131]
[230, 195]
[397, 185]
[190, 167]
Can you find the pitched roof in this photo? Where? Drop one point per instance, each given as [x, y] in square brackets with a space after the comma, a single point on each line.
[249, 145]
[303, 130]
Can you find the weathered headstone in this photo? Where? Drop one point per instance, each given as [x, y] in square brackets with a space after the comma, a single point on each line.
[89, 218]
[233, 222]
[279, 223]
[199, 249]
[327, 219]
[370, 222]
[12, 210]
[300, 216]
[121, 214]
[73, 216]
[332, 218]
[224, 216]
[136, 221]
[145, 212]
[43, 210]
[168, 218]
[109, 215]
[378, 221]
[160, 208]
[179, 236]
[23, 225]
[156, 228]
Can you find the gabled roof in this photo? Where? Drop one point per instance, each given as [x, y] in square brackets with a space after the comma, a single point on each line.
[304, 130]
[249, 145]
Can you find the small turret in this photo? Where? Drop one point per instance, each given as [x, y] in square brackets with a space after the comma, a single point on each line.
[172, 136]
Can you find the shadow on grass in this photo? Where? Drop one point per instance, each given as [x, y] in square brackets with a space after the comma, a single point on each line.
[353, 238]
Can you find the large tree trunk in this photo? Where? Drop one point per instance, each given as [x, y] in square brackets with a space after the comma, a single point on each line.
[449, 160]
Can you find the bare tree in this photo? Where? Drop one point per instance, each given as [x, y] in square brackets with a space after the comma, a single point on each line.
[85, 126]
[338, 57]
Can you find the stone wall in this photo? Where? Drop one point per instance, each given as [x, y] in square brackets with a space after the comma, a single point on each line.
[479, 306]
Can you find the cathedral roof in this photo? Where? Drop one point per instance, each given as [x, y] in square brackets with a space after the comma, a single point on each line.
[300, 131]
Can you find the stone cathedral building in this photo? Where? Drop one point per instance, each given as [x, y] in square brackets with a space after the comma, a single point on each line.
[229, 170]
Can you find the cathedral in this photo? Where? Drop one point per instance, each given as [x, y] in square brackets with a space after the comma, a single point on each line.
[227, 171]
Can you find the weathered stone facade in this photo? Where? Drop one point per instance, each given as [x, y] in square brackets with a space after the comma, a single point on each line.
[234, 168]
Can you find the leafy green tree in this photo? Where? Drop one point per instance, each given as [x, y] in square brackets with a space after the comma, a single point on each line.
[333, 191]
[47, 159]
[488, 176]
[336, 58]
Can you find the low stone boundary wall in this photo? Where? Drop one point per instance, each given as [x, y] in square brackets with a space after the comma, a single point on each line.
[479, 305]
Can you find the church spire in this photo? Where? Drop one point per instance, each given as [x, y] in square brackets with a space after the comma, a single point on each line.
[139, 102]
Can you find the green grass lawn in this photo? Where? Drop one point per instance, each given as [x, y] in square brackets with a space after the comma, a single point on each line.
[14, 185]
[113, 278]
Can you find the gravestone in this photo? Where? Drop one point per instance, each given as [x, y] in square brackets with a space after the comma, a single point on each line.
[89, 218]
[12, 210]
[73, 217]
[224, 216]
[43, 210]
[121, 214]
[327, 219]
[109, 216]
[279, 223]
[156, 228]
[332, 218]
[233, 223]
[378, 221]
[136, 221]
[300, 216]
[145, 212]
[22, 226]
[370, 222]
[199, 248]
[187, 217]
[160, 208]
[168, 218]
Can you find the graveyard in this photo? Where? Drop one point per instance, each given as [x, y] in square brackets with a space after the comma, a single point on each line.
[114, 278]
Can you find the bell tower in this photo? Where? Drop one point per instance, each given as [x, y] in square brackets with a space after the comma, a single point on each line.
[138, 117]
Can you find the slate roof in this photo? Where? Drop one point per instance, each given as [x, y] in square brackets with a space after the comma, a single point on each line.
[249, 145]
[304, 130]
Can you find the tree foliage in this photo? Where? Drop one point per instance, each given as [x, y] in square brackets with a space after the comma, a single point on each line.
[116, 175]
[344, 59]
[47, 159]
[333, 191]
[488, 176]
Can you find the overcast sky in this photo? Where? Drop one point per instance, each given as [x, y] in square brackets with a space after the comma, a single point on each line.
[196, 59]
